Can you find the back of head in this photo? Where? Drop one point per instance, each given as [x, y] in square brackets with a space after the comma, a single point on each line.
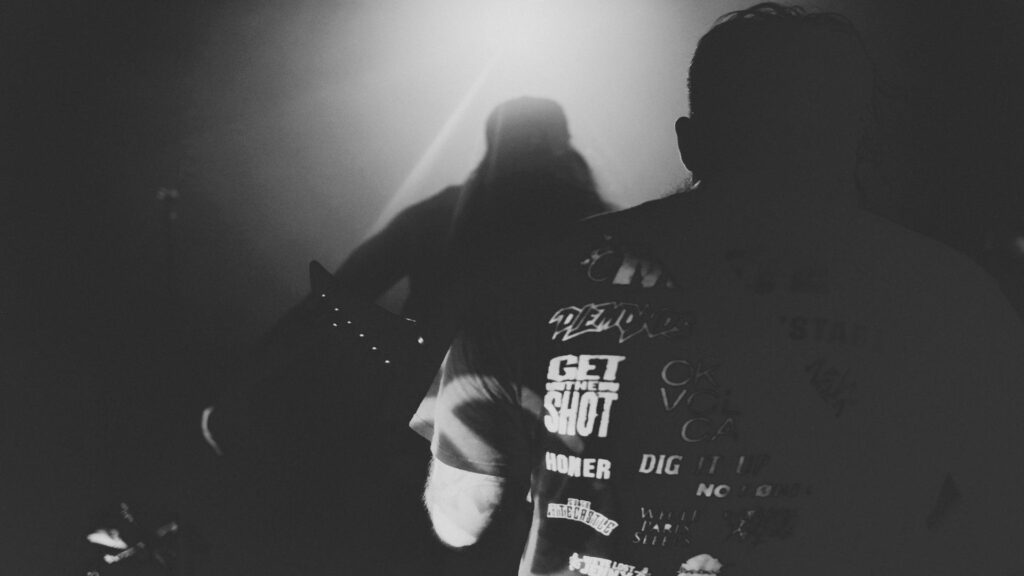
[773, 84]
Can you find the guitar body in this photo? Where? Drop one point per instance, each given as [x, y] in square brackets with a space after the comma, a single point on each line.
[334, 367]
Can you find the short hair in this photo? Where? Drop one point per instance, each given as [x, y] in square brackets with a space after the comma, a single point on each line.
[779, 71]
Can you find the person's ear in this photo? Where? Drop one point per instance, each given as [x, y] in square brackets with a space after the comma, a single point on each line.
[688, 141]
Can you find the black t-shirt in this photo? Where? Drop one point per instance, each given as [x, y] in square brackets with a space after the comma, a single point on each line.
[696, 390]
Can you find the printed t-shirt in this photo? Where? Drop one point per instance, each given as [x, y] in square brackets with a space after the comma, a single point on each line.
[697, 391]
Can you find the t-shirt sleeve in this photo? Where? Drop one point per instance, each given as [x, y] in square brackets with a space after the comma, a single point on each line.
[477, 418]
[384, 258]
[477, 415]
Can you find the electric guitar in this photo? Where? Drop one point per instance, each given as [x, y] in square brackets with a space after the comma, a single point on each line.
[334, 366]
[304, 427]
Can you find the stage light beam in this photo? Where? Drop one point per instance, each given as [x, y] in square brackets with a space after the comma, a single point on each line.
[512, 33]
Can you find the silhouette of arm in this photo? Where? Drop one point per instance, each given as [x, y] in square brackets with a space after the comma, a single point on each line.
[381, 260]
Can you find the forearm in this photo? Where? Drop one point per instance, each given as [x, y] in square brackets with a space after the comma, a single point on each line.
[461, 504]
[377, 263]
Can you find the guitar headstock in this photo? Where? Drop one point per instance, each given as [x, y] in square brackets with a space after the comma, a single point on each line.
[378, 332]
[336, 366]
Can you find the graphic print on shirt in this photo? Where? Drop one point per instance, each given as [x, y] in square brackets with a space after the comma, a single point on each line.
[680, 527]
[758, 525]
[581, 390]
[764, 275]
[731, 499]
[704, 465]
[833, 331]
[666, 527]
[580, 511]
[627, 318]
[578, 467]
[700, 565]
[612, 263]
[691, 389]
[596, 566]
[752, 272]
[835, 387]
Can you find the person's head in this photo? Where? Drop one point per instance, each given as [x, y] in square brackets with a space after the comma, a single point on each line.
[524, 134]
[531, 179]
[773, 87]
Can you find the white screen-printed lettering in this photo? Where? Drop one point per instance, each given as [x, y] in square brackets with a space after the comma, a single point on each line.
[580, 393]
[580, 511]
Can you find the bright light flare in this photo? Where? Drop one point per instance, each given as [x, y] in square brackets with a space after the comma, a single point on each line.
[526, 37]
[616, 66]
[496, 25]
[517, 40]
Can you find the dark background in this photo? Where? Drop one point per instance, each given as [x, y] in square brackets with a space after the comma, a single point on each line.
[116, 307]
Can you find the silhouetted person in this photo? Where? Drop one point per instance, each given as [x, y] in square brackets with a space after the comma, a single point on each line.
[530, 184]
[754, 377]
[528, 188]
[316, 417]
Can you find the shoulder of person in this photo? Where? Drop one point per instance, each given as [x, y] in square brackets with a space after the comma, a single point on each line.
[639, 215]
[622, 224]
[941, 294]
[530, 275]
[925, 263]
